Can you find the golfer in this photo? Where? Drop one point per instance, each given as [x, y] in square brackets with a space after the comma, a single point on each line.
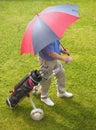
[49, 60]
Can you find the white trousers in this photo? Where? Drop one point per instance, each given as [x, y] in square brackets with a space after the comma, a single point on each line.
[47, 67]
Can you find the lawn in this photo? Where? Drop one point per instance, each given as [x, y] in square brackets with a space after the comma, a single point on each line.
[77, 113]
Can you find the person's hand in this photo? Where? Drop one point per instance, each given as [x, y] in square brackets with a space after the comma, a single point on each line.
[68, 59]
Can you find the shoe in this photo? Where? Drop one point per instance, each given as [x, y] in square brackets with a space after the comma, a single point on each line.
[47, 101]
[65, 94]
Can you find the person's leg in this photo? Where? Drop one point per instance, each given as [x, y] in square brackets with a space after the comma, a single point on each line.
[61, 79]
[46, 68]
[45, 84]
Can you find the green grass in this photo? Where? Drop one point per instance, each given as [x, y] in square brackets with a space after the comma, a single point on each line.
[78, 113]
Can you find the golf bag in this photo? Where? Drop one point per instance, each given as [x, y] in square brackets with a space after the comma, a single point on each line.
[23, 88]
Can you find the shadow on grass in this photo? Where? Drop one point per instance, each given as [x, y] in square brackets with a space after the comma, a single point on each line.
[70, 115]
[48, 122]
[82, 117]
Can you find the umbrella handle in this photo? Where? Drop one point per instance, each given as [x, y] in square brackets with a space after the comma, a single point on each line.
[65, 50]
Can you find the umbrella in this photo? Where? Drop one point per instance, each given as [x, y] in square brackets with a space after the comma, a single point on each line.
[47, 27]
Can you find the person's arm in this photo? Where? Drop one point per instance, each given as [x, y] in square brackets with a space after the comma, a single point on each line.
[60, 57]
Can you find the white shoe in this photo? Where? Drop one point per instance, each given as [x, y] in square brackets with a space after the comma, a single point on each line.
[47, 101]
[65, 94]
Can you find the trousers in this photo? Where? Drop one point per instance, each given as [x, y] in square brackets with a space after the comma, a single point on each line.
[47, 67]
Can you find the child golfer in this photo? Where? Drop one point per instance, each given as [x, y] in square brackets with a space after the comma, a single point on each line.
[49, 59]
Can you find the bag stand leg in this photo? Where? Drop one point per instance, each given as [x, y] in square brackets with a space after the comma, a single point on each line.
[36, 113]
[31, 101]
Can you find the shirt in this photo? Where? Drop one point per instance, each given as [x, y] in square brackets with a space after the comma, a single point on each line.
[52, 47]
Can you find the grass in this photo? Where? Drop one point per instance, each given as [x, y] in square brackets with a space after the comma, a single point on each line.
[78, 113]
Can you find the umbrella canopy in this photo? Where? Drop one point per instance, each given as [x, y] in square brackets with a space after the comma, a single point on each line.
[47, 27]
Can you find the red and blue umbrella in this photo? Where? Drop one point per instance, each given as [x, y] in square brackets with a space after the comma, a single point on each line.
[47, 27]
